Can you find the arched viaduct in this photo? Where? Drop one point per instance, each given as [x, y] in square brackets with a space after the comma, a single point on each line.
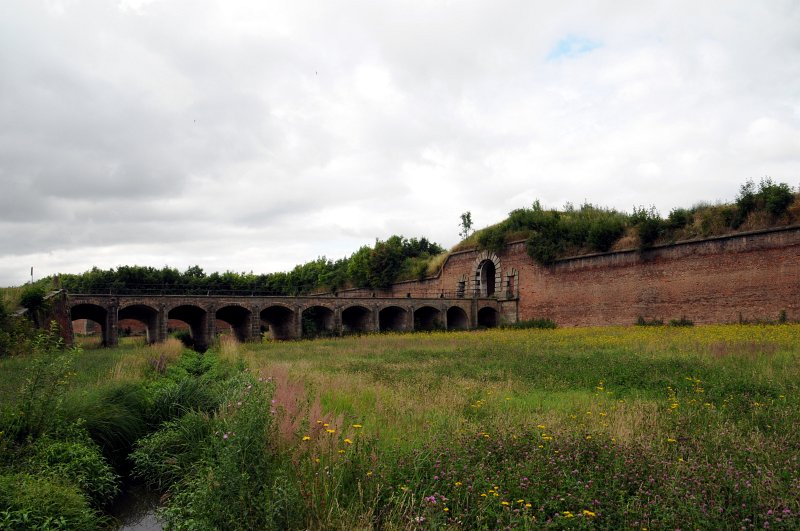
[280, 317]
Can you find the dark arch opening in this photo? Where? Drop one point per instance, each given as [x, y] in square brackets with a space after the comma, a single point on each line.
[487, 278]
[139, 314]
[94, 319]
[197, 320]
[239, 318]
[392, 318]
[457, 319]
[317, 321]
[278, 322]
[356, 319]
[487, 317]
[427, 318]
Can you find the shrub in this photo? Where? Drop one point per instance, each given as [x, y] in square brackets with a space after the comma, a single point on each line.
[79, 463]
[604, 232]
[31, 502]
[532, 323]
[42, 393]
[649, 225]
[683, 321]
[641, 321]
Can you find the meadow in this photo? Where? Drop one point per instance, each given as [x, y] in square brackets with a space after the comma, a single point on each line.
[608, 428]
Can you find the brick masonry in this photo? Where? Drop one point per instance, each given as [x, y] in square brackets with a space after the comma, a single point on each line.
[747, 276]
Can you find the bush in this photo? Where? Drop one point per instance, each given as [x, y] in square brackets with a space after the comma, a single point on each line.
[683, 321]
[649, 225]
[31, 502]
[641, 321]
[604, 232]
[32, 297]
[532, 323]
[79, 463]
[42, 394]
[771, 198]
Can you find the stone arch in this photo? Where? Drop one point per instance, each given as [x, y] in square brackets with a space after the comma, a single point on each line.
[488, 317]
[95, 313]
[357, 318]
[318, 320]
[457, 318]
[393, 318]
[239, 318]
[142, 313]
[487, 274]
[427, 318]
[197, 320]
[279, 321]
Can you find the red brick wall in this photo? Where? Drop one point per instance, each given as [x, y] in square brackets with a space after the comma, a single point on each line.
[749, 276]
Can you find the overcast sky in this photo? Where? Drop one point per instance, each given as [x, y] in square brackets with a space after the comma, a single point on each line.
[255, 135]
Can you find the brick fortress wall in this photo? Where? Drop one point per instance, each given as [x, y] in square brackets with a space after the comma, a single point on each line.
[749, 276]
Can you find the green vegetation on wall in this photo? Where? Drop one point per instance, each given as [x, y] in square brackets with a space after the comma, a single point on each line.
[551, 234]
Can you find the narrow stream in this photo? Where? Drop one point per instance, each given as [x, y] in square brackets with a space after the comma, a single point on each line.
[136, 510]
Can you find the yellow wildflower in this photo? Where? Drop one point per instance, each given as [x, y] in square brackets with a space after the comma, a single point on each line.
[588, 513]
[357, 426]
[458, 483]
[306, 438]
[330, 431]
[671, 440]
[504, 503]
[348, 441]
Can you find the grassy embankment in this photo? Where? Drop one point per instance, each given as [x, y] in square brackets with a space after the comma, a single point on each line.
[651, 427]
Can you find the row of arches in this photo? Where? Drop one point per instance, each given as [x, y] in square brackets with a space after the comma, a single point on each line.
[277, 321]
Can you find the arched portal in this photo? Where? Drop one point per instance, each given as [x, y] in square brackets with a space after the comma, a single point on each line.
[457, 319]
[487, 317]
[487, 277]
[279, 322]
[91, 313]
[427, 318]
[197, 320]
[317, 321]
[392, 318]
[240, 319]
[356, 319]
[141, 313]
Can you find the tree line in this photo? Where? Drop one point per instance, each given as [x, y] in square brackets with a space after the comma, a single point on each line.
[375, 266]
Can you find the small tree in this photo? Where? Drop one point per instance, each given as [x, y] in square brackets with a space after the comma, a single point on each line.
[466, 225]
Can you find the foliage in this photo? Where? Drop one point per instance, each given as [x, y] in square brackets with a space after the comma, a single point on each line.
[81, 462]
[32, 297]
[641, 321]
[551, 234]
[369, 267]
[43, 390]
[770, 197]
[35, 502]
[466, 225]
[649, 225]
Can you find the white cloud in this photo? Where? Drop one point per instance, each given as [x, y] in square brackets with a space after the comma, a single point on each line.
[252, 135]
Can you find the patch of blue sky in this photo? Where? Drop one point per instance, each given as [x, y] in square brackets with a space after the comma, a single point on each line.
[572, 46]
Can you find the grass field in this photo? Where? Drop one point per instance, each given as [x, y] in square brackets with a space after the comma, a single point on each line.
[637, 427]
